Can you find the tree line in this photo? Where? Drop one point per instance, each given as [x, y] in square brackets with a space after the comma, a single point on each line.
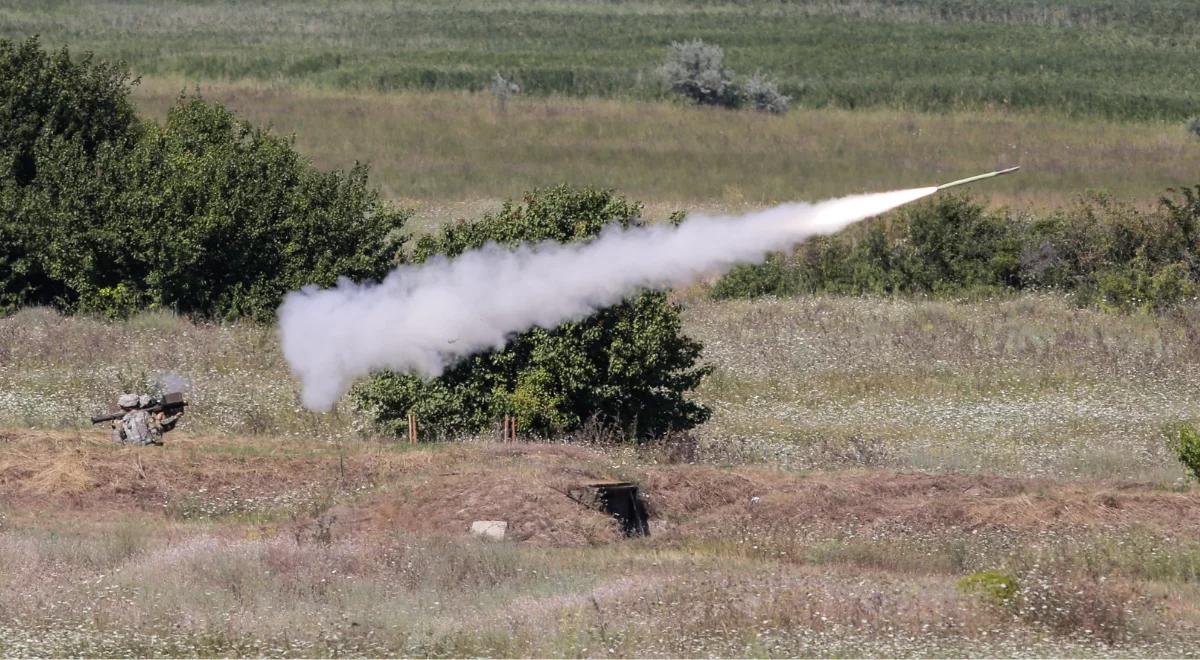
[1101, 252]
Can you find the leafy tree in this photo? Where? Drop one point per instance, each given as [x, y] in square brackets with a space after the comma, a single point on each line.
[51, 108]
[250, 219]
[627, 367]
[206, 214]
[52, 97]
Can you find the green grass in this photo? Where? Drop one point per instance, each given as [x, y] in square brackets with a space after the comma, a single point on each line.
[454, 154]
[1130, 59]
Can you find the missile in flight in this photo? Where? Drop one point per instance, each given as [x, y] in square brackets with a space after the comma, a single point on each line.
[972, 179]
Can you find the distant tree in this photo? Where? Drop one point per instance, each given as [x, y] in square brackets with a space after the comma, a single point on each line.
[627, 368]
[763, 94]
[697, 70]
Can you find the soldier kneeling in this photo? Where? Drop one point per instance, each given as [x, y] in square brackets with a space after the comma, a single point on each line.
[138, 426]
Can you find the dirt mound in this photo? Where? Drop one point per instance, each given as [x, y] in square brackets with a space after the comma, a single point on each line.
[532, 487]
[88, 471]
[386, 488]
[536, 512]
[928, 501]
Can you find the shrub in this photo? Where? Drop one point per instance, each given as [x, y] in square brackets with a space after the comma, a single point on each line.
[205, 215]
[503, 90]
[958, 245]
[251, 219]
[52, 97]
[53, 108]
[1114, 256]
[1184, 441]
[754, 280]
[994, 587]
[628, 367]
[1193, 127]
[697, 70]
[763, 94]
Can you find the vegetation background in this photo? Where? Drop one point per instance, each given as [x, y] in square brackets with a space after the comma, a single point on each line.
[1119, 59]
[947, 432]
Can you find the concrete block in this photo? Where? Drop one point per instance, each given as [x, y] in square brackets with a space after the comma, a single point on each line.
[489, 529]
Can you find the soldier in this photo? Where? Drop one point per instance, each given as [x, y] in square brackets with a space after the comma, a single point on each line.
[139, 426]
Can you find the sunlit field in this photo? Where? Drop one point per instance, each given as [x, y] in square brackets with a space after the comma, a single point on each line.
[981, 474]
[1122, 59]
[1029, 387]
[452, 155]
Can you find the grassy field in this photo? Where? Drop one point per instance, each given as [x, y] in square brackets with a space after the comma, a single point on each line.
[1029, 386]
[297, 547]
[1131, 59]
[880, 477]
[452, 154]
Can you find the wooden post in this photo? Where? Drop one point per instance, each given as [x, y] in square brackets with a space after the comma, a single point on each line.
[506, 427]
[412, 429]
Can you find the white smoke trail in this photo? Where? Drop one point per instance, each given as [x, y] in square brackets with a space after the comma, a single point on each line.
[170, 382]
[423, 318]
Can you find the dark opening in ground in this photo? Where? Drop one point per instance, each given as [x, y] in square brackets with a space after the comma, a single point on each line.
[622, 501]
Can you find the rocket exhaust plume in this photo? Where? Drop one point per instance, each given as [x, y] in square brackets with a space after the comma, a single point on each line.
[425, 317]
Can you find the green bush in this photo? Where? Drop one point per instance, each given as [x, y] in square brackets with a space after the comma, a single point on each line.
[1113, 256]
[51, 107]
[1185, 443]
[762, 94]
[697, 70]
[772, 277]
[994, 587]
[206, 214]
[1193, 127]
[627, 368]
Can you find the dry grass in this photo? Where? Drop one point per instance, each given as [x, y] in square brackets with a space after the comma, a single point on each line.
[824, 565]
[1026, 387]
[1019, 436]
[452, 155]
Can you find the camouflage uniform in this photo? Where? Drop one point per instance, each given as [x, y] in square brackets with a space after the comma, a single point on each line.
[138, 426]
